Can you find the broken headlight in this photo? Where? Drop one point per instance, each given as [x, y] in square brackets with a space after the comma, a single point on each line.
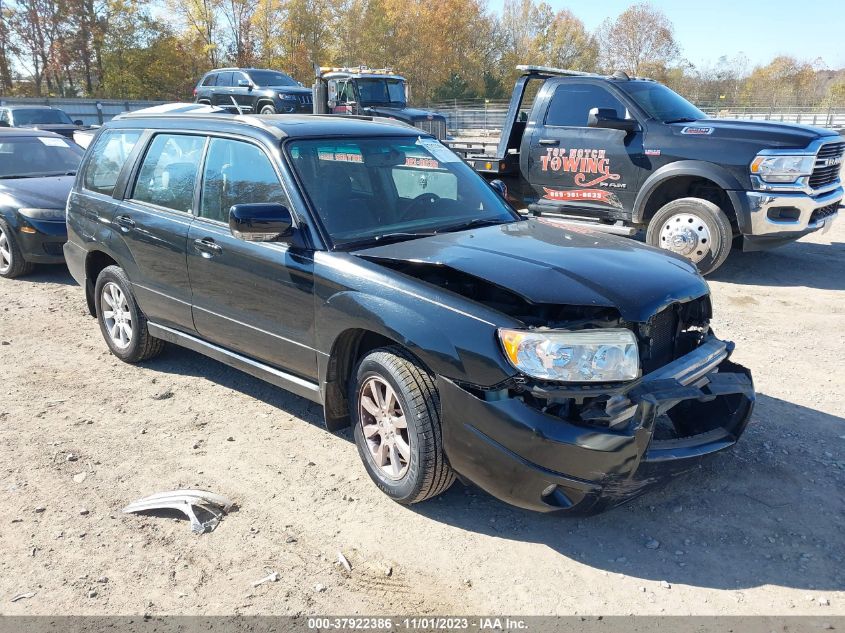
[600, 355]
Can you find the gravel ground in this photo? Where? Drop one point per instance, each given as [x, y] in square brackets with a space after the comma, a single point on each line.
[757, 530]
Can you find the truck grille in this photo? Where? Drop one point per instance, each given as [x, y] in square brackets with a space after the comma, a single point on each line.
[659, 344]
[435, 127]
[824, 212]
[828, 164]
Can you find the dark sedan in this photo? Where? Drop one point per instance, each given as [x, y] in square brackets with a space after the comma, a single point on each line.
[36, 174]
[39, 117]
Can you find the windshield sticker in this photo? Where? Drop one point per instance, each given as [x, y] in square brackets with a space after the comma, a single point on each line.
[590, 166]
[601, 196]
[424, 163]
[438, 150]
[340, 157]
[697, 131]
[53, 142]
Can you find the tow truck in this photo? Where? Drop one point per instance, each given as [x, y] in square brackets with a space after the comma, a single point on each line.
[626, 154]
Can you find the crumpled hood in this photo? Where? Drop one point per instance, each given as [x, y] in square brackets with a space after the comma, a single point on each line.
[404, 114]
[547, 263]
[50, 192]
[770, 134]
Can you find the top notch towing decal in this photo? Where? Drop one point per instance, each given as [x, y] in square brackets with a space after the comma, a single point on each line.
[584, 163]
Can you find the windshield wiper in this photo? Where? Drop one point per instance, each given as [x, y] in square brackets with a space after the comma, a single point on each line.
[683, 119]
[386, 238]
[471, 224]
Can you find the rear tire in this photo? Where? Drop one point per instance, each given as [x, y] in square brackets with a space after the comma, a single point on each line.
[401, 445]
[122, 324]
[12, 262]
[694, 228]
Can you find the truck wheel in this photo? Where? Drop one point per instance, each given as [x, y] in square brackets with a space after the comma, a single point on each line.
[268, 109]
[396, 423]
[12, 263]
[694, 228]
[122, 323]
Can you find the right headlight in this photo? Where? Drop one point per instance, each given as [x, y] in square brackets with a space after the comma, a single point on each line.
[783, 168]
[600, 355]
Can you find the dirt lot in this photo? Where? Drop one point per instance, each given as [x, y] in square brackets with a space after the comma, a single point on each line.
[758, 530]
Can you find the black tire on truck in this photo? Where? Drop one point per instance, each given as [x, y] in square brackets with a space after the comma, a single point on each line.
[395, 410]
[693, 228]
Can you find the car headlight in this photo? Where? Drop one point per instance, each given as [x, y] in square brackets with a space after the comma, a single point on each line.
[601, 355]
[287, 97]
[782, 168]
[54, 215]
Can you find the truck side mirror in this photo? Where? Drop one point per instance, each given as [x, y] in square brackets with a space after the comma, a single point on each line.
[608, 119]
[78, 122]
[260, 222]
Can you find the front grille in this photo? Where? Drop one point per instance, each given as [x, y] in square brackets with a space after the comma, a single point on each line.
[824, 212]
[828, 164]
[53, 248]
[305, 99]
[436, 127]
[658, 342]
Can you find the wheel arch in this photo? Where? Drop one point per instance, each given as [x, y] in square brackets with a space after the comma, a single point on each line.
[683, 179]
[95, 262]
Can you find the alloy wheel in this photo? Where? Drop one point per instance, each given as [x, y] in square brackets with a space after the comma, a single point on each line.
[385, 427]
[5, 253]
[686, 234]
[116, 315]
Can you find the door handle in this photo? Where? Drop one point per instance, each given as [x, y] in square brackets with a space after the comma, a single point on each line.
[125, 222]
[549, 141]
[208, 247]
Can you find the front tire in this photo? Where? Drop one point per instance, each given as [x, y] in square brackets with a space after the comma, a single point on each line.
[267, 109]
[396, 424]
[122, 324]
[12, 263]
[693, 228]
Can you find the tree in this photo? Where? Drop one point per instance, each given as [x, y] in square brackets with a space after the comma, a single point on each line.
[784, 81]
[641, 40]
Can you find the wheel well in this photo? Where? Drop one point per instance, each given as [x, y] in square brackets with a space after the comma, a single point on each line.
[689, 187]
[263, 102]
[94, 265]
[348, 349]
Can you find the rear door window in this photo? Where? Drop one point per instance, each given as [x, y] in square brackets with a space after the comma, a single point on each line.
[108, 156]
[168, 174]
[209, 81]
[571, 104]
[224, 79]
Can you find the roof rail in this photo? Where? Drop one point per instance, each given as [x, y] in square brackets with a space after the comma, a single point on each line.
[248, 119]
[548, 70]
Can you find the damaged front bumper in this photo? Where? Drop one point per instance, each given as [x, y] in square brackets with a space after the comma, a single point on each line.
[531, 458]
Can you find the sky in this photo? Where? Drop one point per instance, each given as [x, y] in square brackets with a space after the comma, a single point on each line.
[762, 29]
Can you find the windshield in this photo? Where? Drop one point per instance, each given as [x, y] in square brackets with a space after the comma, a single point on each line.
[377, 189]
[661, 103]
[36, 116]
[28, 156]
[271, 78]
[381, 91]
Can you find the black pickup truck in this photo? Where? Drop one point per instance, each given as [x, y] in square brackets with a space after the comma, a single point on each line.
[628, 154]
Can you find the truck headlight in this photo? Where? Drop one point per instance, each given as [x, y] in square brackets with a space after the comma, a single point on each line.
[601, 355]
[54, 215]
[287, 97]
[782, 168]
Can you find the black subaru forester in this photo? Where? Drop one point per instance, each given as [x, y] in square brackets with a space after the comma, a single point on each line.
[364, 266]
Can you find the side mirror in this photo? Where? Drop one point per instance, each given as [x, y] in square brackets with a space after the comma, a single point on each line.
[78, 122]
[608, 119]
[500, 187]
[244, 83]
[260, 221]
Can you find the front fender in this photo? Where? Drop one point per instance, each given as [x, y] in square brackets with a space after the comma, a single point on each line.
[702, 169]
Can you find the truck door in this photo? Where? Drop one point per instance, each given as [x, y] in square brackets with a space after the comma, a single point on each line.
[572, 167]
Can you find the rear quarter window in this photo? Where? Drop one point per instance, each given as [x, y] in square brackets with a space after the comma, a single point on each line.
[108, 156]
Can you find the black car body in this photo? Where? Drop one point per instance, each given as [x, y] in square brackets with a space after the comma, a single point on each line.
[253, 90]
[373, 92]
[39, 117]
[37, 170]
[307, 279]
[624, 151]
